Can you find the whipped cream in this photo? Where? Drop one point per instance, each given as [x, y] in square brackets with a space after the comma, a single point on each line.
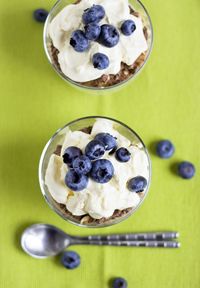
[98, 200]
[78, 66]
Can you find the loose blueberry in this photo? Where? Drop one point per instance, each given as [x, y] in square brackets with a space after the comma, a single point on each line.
[120, 283]
[137, 184]
[123, 155]
[70, 259]
[40, 15]
[165, 149]
[109, 36]
[75, 181]
[70, 154]
[79, 41]
[100, 61]
[186, 170]
[94, 14]
[82, 165]
[94, 150]
[128, 27]
[102, 171]
[92, 31]
[108, 140]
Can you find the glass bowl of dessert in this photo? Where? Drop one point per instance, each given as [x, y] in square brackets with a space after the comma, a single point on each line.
[98, 44]
[95, 172]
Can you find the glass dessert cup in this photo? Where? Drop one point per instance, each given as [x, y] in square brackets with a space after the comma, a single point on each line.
[51, 147]
[138, 7]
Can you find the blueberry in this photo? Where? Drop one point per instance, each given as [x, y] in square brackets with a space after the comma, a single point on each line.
[123, 155]
[94, 150]
[102, 171]
[40, 15]
[70, 154]
[79, 41]
[108, 140]
[70, 259]
[109, 36]
[128, 27]
[100, 61]
[94, 14]
[186, 170]
[92, 31]
[75, 182]
[165, 149]
[120, 283]
[82, 165]
[137, 184]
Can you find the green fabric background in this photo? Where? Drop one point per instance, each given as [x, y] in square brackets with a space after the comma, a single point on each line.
[163, 102]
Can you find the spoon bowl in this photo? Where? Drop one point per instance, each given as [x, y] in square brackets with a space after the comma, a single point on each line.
[43, 240]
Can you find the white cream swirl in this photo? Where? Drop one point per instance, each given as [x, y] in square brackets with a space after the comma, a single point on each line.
[78, 66]
[97, 200]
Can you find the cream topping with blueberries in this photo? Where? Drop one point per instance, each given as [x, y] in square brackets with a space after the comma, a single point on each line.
[93, 37]
[97, 173]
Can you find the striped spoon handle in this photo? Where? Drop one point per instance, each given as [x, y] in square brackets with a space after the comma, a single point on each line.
[134, 236]
[150, 244]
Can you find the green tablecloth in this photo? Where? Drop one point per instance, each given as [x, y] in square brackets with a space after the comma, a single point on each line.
[163, 102]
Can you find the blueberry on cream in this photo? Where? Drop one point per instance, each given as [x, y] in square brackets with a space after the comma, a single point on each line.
[75, 181]
[82, 165]
[94, 150]
[108, 140]
[109, 36]
[137, 184]
[79, 41]
[100, 61]
[102, 171]
[128, 27]
[93, 15]
[70, 154]
[92, 31]
[122, 155]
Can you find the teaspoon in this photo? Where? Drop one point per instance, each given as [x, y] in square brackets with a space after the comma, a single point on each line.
[44, 240]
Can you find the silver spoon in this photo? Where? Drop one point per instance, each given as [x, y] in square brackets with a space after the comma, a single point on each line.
[44, 240]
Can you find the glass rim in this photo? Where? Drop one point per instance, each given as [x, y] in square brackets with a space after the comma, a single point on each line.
[74, 83]
[58, 211]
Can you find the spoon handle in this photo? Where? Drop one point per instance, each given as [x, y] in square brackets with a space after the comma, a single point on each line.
[134, 236]
[150, 244]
